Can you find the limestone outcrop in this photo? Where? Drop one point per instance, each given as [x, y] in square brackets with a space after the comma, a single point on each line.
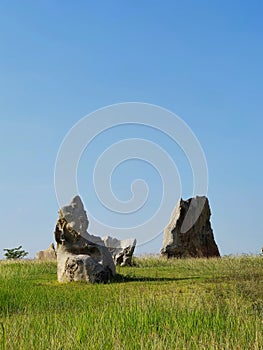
[189, 232]
[48, 254]
[121, 250]
[79, 258]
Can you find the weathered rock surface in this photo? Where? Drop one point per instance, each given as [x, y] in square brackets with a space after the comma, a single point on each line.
[48, 254]
[75, 215]
[189, 232]
[121, 250]
[78, 257]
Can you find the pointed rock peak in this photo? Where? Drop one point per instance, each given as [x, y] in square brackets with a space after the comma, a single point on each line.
[75, 215]
[77, 202]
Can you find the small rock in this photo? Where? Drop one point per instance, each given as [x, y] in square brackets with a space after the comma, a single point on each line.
[121, 250]
[48, 254]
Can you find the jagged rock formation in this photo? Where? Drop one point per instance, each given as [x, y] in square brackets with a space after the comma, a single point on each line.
[121, 250]
[189, 232]
[75, 215]
[79, 258]
[48, 254]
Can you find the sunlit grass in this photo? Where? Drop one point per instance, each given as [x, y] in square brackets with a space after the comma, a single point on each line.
[157, 304]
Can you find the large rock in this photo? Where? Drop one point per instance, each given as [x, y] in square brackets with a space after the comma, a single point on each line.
[189, 232]
[121, 250]
[48, 254]
[79, 258]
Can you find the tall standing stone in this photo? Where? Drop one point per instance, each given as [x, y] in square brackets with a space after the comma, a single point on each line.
[189, 232]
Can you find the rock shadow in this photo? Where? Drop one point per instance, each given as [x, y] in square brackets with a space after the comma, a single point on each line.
[129, 278]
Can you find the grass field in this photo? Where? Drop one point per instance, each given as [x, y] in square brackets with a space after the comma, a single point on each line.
[158, 304]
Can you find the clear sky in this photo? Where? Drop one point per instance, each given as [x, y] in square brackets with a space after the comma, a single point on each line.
[61, 60]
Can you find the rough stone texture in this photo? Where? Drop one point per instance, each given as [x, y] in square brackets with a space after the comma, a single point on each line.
[79, 258]
[48, 254]
[75, 215]
[121, 250]
[189, 234]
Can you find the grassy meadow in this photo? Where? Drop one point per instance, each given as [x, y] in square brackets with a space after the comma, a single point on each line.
[157, 304]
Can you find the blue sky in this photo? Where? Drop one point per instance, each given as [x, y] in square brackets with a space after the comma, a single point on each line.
[61, 60]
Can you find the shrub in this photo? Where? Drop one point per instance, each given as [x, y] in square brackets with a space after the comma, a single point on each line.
[15, 253]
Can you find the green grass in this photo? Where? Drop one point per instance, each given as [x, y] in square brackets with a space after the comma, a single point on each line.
[158, 304]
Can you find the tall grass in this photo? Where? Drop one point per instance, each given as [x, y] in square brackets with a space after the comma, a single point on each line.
[157, 304]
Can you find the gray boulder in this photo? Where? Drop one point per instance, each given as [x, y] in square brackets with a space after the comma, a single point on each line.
[189, 232]
[121, 250]
[79, 258]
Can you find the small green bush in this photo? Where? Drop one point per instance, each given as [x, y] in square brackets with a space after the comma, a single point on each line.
[15, 253]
